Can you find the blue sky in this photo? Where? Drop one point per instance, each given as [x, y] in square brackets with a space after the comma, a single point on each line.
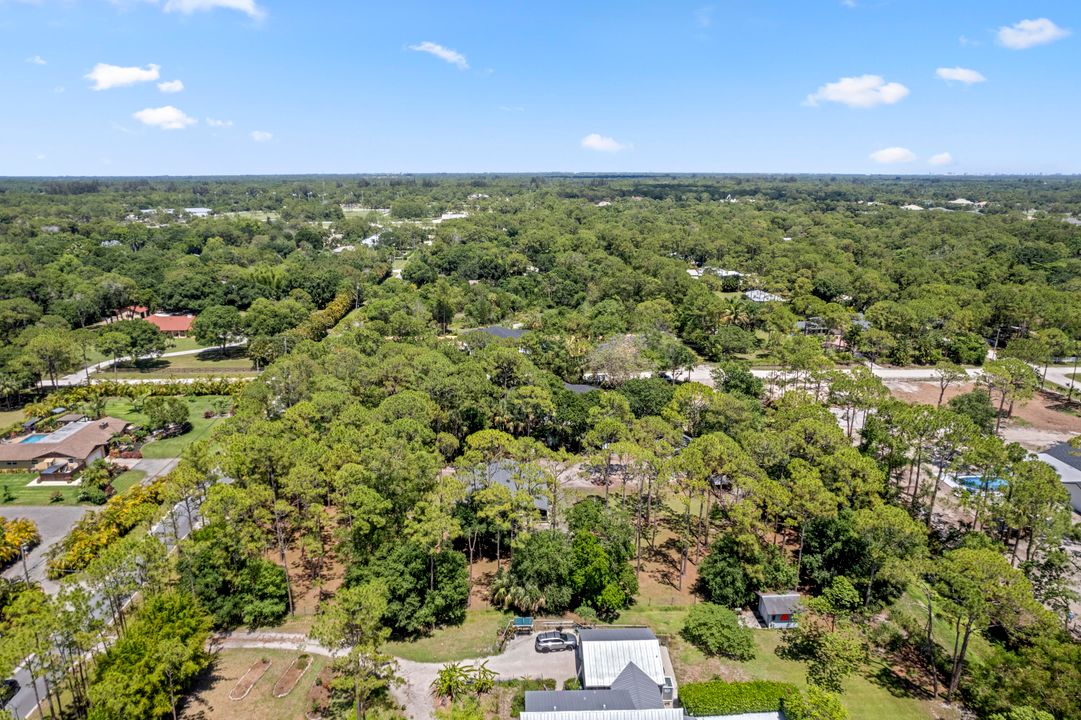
[291, 86]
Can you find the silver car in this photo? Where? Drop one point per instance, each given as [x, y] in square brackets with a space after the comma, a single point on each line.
[555, 640]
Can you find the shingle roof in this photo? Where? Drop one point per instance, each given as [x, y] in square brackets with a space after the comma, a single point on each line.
[75, 440]
[171, 323]
[1066, 453]
[662, 714]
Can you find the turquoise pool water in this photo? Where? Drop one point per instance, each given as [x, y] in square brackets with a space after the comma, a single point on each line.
[35, 438]
[975, 482]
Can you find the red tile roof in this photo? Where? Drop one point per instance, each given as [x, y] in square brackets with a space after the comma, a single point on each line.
[171, 323]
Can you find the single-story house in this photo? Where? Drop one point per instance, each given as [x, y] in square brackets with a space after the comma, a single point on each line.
[503, 473]
[761, 296]
[59, 454]
[604, 653]
[632, 696]
[175, 325]
[1066, 459]
[813, 326]
[198, 212]
[778, 610]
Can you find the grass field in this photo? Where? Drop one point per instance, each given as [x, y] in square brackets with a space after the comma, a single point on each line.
[10, 417]
[127, 478]
[209, 363]
[475, 638]
[170, 447]
[24, 495]
[869, 696]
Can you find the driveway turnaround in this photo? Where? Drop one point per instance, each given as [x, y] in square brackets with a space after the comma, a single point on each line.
[54, 522]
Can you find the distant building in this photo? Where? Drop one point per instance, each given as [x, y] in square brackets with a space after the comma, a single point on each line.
[198, 212]
[1066, 460]
[504, 333]
[778, 610]
[911, 207]
[813, 326]
[174, 325]
[761, 296]
[60, 454]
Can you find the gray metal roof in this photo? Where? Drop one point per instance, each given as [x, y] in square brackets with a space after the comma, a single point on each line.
[503, 332]
[1066, 453]
[778, 604]
[502, 474]
[606, 653]
[643, 691]
[580, 388]
[663, 714]
[571, 700]
[616, 634]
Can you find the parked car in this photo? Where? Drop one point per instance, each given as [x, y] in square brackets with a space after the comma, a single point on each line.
[554, 641]
[8, 690]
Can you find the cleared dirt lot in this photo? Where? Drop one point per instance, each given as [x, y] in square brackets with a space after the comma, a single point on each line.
[211, 699]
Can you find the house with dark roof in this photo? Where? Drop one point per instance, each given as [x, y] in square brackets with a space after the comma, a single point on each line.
[778, 610]
[1066, 459]
[504, 333]
[507, 473]
[632, 696]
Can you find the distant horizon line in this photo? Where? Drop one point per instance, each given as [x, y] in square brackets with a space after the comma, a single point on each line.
[547, 173]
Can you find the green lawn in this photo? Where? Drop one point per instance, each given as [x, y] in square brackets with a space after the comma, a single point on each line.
[866, 697]
[209, 363]
[170, 447]
[475, 638]
[127, 478]
[23, 495]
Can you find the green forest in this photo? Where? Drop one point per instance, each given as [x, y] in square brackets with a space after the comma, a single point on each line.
[580, 396]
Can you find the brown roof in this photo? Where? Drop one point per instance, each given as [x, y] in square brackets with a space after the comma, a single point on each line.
[171, 323]
[81, 440]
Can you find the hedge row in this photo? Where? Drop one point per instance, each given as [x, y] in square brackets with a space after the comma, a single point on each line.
[320, 322]
[718, 697]
[97, 530]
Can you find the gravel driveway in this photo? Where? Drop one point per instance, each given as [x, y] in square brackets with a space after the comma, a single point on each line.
[54, 522]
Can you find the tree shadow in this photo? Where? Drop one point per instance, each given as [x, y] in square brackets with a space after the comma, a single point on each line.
[898, 685]
[194, 706]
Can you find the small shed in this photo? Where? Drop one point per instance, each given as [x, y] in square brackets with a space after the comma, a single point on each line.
[778, 610]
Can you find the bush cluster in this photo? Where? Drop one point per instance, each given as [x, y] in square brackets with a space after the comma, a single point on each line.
[718, 697]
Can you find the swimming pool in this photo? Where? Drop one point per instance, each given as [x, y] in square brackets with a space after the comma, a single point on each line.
[975, 482]
[35, 438]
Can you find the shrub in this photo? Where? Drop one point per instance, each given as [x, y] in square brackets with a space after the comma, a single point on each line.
[572, 684]
[13, 535]
[97, 530]
[723, 698]
[814, 704]
[716, 630]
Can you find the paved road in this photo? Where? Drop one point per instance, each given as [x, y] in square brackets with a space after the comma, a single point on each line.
[703, 373]
[80, 377]
[24, 701]
[54, 522]
[518, 660]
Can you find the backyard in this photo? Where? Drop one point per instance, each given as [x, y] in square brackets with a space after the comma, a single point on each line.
[123, 408]
[210, 699]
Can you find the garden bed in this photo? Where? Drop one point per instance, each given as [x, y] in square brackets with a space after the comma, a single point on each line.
[247, 681]
[291, 676]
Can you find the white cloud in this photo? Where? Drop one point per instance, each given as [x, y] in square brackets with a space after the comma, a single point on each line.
[960, 74]
[219, 123]
[1029, 33]
[512, 108]
[860, 92]
[40, 157]
[109, 76]
[248, 7]
[171, 86]
[261, 136]
[849, 3]
[703, 16]
[166, 118]
[36, 60]
[602, 143]
[443, 53]
[941, 159]
[891, 155]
